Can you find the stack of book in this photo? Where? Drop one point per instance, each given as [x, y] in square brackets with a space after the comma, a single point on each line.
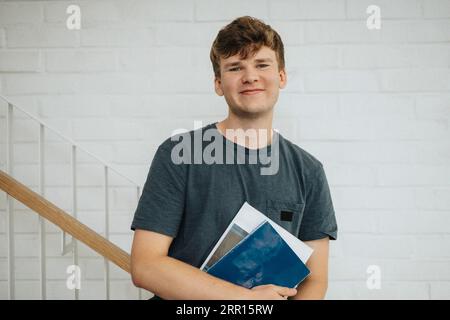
[254, 250]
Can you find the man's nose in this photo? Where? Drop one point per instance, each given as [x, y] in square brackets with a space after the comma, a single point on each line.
[250, 76]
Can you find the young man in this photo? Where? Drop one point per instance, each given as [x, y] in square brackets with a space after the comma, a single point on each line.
[186, 205]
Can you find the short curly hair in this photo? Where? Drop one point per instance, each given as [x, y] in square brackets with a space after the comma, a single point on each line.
[245, 35]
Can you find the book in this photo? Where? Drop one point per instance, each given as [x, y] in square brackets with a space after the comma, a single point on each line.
[245, 221]
[232, 237]
[261, 257]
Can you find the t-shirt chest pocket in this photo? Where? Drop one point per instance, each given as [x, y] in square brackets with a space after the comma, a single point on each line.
[287, 214]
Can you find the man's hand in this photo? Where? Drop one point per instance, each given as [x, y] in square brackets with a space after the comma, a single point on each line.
[272, 292]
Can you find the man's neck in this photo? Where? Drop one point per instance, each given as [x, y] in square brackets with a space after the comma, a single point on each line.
[262, 126]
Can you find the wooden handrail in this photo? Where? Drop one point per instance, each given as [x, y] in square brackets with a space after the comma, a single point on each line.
[65, 221]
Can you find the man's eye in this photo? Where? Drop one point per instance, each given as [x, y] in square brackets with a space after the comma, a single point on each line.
[262, 65]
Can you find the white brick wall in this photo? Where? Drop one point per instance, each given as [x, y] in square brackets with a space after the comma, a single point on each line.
[372, 105]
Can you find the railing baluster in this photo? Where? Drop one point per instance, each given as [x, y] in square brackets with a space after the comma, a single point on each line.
[106, 185]
[43, 255]
[10, 203]
[74, 211]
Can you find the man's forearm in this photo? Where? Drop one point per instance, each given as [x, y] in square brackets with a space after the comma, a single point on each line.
[169, 278]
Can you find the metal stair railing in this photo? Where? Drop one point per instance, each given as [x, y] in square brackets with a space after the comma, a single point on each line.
[72, 246]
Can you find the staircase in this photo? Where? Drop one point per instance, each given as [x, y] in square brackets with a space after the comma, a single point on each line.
[49, 212]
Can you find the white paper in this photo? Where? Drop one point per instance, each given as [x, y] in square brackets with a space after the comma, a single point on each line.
[248, 218]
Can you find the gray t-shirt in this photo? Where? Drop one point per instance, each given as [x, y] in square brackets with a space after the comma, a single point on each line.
[194, 203]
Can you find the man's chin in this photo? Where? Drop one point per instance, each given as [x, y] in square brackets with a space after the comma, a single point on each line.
[251, 112]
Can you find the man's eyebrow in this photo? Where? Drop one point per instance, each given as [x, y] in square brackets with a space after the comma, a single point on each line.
[232, 64]
[236, 63]
[264, 60]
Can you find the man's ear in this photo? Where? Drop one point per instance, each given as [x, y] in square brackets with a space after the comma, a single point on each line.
[218, 87]
[283, 79]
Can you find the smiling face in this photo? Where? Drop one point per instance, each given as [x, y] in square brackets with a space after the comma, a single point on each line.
[251, 86]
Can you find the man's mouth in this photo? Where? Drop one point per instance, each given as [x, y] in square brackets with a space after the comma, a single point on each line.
[251, 92]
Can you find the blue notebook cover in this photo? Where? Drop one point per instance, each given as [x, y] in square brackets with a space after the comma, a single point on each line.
[263, 257]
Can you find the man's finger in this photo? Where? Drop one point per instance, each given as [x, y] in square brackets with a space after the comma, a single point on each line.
[286, 291]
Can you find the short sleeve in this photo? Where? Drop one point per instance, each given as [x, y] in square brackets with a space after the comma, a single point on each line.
[319, 220]
[161, 205]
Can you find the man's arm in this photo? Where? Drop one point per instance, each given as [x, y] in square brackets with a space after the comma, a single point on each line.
[169, 278]
[315, 286]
